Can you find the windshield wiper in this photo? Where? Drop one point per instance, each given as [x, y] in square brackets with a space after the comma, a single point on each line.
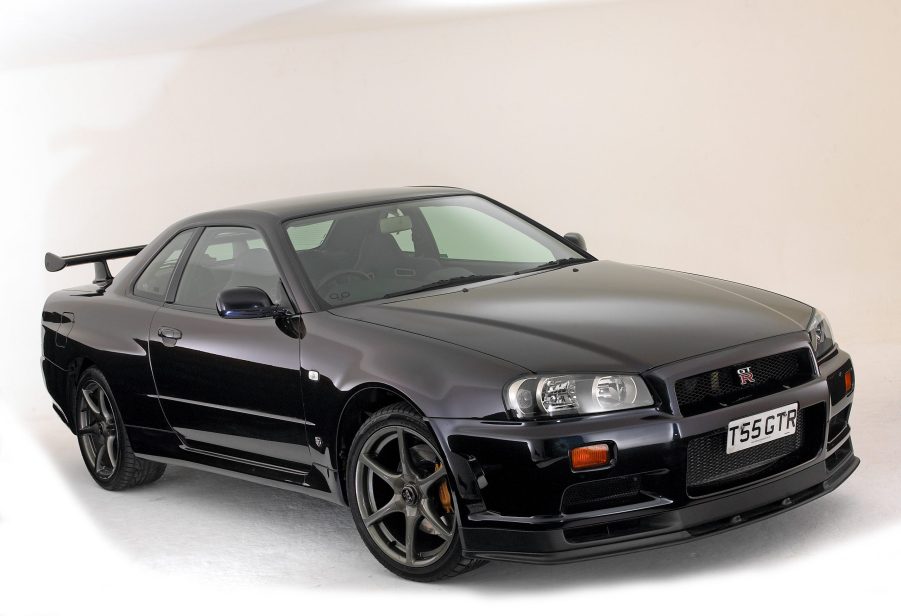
[554, 264]
[446, 282]
[458, 280]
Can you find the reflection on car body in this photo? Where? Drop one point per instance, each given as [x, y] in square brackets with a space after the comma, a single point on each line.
[473, 385]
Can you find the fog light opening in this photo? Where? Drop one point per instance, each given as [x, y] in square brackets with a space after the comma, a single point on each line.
[589, 456]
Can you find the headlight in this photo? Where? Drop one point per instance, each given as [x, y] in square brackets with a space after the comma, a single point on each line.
[820, 335]
[534, 397]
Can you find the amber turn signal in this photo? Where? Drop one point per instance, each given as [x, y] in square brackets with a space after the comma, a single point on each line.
[589, 456]
[849, 381]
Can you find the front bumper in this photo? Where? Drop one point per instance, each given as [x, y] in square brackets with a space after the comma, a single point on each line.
[515, 487]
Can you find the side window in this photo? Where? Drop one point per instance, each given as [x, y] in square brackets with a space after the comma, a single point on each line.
[154, 281]
[224, 258]
[466, 233]
[220, 252]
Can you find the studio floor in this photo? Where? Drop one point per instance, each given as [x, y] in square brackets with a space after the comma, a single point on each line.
[236, 545]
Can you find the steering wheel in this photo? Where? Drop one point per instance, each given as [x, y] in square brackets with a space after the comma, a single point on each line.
[330, 279]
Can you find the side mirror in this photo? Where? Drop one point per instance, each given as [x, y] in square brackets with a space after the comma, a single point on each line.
[576, 240]
[246, 303]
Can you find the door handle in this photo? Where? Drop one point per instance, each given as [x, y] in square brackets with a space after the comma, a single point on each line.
[170, 335]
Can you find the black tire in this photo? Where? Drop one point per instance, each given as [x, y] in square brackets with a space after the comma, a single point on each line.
[97, 419]
[449, 560]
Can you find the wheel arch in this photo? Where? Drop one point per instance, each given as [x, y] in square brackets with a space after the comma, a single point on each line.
[364, 400]
[75, 367]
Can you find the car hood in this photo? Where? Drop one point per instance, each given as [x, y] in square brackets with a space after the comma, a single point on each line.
[598, 316]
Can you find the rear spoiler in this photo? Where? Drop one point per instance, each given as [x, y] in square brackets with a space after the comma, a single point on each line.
[102, 275]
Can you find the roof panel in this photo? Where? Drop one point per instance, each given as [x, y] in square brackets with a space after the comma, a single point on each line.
[296, 207]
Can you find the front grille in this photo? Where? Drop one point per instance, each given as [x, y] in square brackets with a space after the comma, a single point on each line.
[722, 387]
[710, 469]
[601, 493]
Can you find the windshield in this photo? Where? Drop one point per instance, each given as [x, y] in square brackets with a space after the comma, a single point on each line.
[387, 251]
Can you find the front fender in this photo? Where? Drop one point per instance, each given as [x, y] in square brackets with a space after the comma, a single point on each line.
[440, 379]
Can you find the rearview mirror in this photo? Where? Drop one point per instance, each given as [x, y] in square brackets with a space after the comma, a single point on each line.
[246, 303]
[576, 240]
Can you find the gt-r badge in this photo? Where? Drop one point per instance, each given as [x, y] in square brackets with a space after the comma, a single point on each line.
[745, 375]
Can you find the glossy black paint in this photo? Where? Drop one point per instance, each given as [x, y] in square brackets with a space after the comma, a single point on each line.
[596, 317]
[231, 386]
[236, 395]
[102, 275]
[247, 303]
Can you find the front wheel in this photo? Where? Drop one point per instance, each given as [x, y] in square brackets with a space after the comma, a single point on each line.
[400, 497]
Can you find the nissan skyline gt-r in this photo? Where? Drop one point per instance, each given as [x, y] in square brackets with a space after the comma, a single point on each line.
[471, 384]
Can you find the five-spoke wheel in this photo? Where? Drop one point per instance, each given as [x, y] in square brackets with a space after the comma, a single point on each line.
[401, 497]
[97, 431]
[401, 480]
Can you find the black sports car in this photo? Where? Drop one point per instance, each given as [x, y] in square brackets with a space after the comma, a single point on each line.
[473, 385]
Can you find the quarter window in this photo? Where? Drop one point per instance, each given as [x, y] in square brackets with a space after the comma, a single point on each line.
[153, 283]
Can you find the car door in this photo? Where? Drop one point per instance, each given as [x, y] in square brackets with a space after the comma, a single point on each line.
[229, 386]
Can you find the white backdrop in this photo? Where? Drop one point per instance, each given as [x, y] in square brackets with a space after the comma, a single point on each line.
[753, 140]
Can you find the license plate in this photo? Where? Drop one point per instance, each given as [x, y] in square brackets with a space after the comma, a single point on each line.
[761, 428]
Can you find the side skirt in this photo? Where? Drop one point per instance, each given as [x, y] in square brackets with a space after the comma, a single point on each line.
[164, 446]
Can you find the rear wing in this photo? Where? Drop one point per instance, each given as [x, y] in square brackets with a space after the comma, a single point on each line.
[102, 275]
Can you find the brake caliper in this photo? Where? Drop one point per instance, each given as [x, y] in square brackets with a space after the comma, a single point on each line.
[444, 494]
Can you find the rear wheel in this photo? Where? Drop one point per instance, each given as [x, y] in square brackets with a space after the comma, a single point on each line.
[102, 439]
[401, 500]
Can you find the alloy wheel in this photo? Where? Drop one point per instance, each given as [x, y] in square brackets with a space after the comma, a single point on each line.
[97, 430]
[404, 498]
